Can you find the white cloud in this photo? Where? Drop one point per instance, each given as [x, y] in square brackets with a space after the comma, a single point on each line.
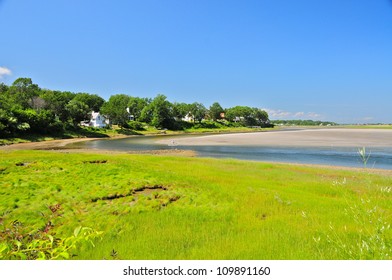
[313, 115]
[299, 114]
[367, 119]
[277, 113]
[4, 71]
[286, 115]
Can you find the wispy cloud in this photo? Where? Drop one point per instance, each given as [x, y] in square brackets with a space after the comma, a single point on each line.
[286, 115]
[314, 115]
[299, 114]
[4, 71]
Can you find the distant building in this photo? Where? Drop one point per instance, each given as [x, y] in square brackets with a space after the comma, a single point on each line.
[189, 117]
[131, 117]
[97, 120]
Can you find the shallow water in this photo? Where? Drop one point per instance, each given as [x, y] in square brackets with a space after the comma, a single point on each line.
[380, 157]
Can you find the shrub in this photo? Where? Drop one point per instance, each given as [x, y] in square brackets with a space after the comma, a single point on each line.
[17, 243]
[135, 125]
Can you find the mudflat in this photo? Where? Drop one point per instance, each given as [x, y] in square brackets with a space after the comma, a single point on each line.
[323, 137]
[45, 145]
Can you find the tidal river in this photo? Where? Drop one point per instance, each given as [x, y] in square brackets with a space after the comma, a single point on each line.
[332, 146]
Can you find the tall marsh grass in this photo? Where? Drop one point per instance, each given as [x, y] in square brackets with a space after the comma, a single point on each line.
[206, 209]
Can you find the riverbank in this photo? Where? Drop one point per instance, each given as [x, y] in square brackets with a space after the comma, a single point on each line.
[49, 142]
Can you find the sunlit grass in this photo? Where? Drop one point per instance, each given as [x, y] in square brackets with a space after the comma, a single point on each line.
[211, 209]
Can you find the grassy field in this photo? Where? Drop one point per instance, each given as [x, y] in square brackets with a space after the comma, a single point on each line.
[369, 126]
[161, 207]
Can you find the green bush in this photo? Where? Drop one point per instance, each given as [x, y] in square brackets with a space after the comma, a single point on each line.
[135, 125]
[17, 244]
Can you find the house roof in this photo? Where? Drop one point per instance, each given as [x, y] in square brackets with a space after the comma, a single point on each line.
[94, 115]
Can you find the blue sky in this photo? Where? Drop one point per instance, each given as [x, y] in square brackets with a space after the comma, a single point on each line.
[309, 59]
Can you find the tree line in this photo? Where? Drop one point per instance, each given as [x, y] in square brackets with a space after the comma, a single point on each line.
[303, 123]
[27, 108]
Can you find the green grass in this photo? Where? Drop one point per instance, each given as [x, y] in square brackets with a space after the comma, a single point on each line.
[369, 126]
[210, 209]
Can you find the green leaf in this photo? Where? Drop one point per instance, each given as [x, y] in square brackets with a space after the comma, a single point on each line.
[41, 256]
[18, 244]
[77, 230]
[21, 255]
[50, 238]
[65, 255]
[3, 247]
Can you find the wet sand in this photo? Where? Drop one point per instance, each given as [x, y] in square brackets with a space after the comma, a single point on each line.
[324, 137]
[61, 146]
[45, 145]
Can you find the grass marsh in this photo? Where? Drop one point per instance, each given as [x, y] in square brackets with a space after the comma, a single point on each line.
[162, 207]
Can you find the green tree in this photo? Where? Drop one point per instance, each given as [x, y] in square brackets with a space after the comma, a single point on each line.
[180, 110]
[23, 92]
[116, 109]
[8, 123]
[56, 101]
[161, 109]
[3, 89]
[158, 112]
[78, 111]
[93, 101]
[136, 106]
[198, 111]
[40, 122]
[242, 114]
[261, 116]
[215, 111]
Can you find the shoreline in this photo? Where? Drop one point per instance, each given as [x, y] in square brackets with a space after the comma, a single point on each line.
[321, 137]
[45, 145]
[301, 137]
[328, 137]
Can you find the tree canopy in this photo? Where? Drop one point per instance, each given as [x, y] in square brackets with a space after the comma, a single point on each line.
[27, 108]
[116, 109]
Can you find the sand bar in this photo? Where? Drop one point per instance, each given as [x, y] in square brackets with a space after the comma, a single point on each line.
[45, 145]
[327, 137]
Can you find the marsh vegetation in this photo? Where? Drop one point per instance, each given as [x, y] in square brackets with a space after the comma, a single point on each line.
[162, 207]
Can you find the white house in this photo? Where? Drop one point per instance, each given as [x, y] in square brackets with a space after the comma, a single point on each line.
[97, 120]
[131, 117]
[189, 117]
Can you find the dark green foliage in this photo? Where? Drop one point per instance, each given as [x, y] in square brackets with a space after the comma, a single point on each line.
[198, 111]
[78, 111]
[115, 109]
[56, 101]
[248, 116]
[208, 124]
[136, 106]
[158, 113]
[215, 111]
[135, 125]
[303, 122]
[23, 92]
[26, 109]
[43, 121]
[93, 101]
[180, 110]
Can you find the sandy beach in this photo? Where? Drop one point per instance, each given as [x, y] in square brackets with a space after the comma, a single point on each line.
[323, 137]
[61, 146]
[45, 145]
[327, 137]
